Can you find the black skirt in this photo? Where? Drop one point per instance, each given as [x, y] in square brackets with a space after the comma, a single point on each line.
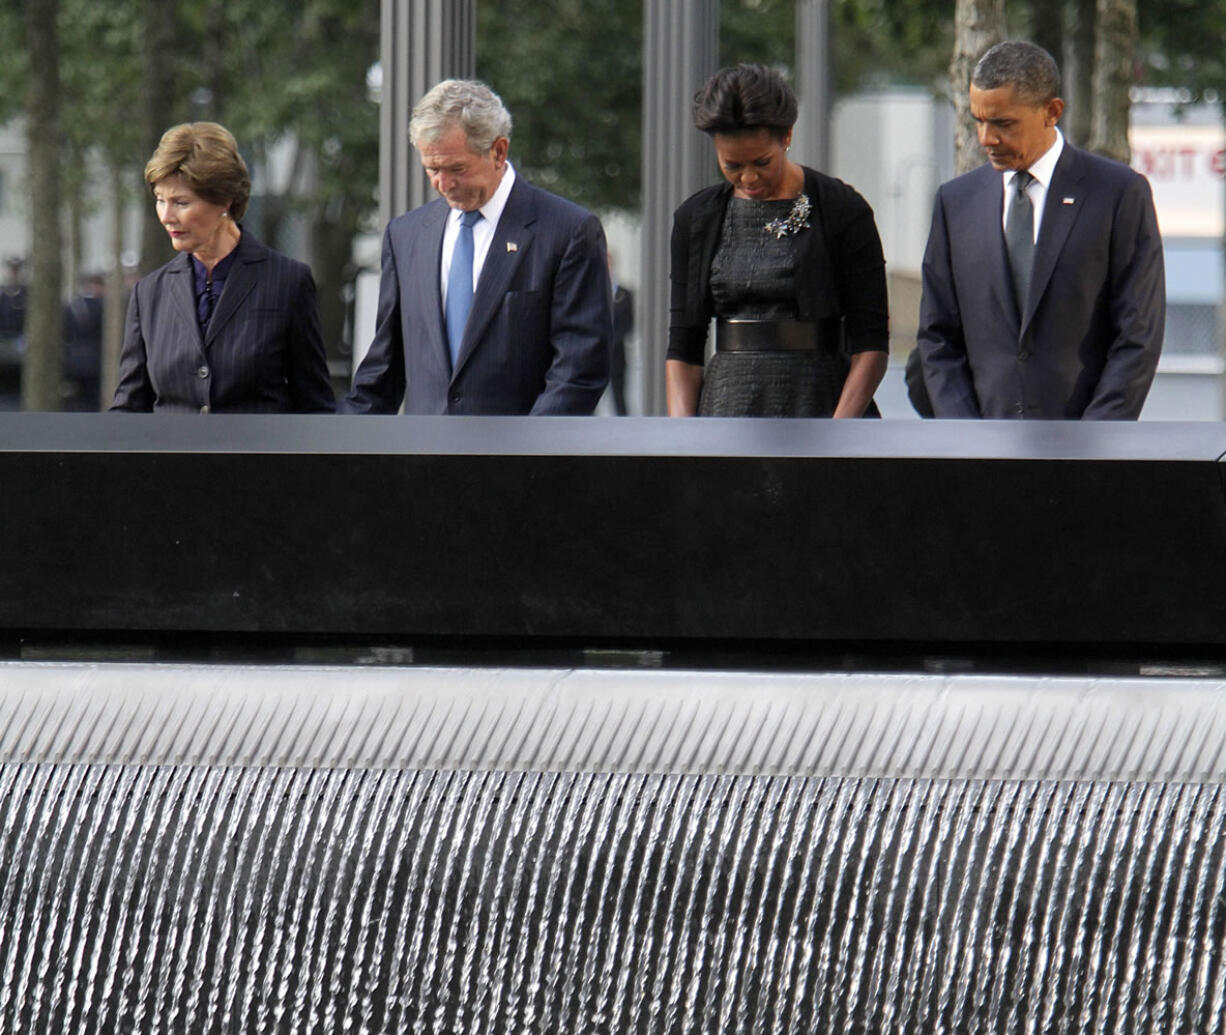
[772, 384]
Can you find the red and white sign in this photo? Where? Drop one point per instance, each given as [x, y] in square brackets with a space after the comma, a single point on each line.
[1186, 167]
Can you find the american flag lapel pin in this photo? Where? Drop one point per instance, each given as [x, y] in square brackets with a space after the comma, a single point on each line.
[512, 246]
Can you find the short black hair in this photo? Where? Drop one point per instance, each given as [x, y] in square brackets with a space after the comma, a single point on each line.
[742, 98]
[1025, 66]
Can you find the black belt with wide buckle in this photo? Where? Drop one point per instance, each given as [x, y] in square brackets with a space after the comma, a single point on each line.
[765, 335]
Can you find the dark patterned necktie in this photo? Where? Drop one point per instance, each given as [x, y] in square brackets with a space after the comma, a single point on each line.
[1019, 236]
[206, 301]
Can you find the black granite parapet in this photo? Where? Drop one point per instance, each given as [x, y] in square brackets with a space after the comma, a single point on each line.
[611, 531]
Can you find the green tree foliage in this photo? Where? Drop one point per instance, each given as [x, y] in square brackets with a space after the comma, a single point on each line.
[759, 31]
[571, 72]
[100, 70]
[288, 78]
[278, 69]
[14, 59]
[1184, 45]
[892, 42]
[873, 42]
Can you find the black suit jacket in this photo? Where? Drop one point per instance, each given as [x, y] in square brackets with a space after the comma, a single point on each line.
[262, 352]
[1087, 340]
[538, 335]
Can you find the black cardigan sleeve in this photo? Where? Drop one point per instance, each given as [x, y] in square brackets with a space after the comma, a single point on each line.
[858, 266]
[690, 305]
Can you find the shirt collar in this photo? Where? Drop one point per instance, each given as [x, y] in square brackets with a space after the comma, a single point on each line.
[491, 211]
[219, 271]
[1045, 167]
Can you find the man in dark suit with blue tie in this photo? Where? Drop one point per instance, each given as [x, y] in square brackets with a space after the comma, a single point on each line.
[1043, 286]
[495, 297]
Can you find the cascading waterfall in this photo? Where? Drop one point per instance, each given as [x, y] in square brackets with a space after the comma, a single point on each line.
[228, 849]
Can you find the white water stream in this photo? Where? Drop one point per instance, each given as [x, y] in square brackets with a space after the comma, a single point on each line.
[899, 867]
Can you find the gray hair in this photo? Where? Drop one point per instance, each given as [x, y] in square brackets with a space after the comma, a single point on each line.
[466, 103]
[1027, 67]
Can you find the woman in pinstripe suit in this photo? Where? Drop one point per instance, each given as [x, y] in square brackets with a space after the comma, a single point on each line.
[227, 325]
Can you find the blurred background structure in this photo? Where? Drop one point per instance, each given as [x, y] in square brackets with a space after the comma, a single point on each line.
[599, 90]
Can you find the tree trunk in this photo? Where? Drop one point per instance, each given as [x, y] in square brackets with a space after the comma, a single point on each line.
[158, 92]
[1047, 16]
[978, 24]
[116, 290]
[40, 372]
[1114, 50]
[74, 190]
[1079, 122]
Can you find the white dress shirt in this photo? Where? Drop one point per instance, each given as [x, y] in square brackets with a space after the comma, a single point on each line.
[483, 232]
[1042, 171]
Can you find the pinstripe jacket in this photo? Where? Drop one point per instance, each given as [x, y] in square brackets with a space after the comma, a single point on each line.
[262, 351]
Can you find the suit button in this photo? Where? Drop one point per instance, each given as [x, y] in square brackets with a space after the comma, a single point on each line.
[1023, 355]
[204, 408]
[202, 372]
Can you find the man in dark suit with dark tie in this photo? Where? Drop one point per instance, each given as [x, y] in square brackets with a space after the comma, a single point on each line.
[1043, 286]
[495, 297]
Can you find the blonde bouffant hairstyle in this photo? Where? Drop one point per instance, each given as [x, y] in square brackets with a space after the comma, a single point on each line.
[206, 156]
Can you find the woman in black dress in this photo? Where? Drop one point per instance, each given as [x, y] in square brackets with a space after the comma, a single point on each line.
[789, 262]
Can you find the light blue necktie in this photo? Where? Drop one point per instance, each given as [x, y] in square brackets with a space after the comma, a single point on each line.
[460, 285]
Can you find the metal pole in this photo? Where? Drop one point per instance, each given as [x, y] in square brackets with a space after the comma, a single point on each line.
[811, 140]
[423, 41]
[680, 50]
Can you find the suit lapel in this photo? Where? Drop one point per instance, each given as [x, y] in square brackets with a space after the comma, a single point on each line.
[240, 282]
[989, 213]
[1059, 215]
[182, 283]
[510, 244]
[421, 277]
